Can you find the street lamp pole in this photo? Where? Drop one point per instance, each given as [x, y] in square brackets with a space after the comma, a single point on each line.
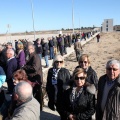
[33, 18]
[73, 15]
[79, 22]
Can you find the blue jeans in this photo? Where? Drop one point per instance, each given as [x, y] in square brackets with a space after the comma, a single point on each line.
[40, 55]
[46, 60]
[51, 53]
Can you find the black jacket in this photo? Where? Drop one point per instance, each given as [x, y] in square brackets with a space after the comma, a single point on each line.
[45, 49]
[33, 68]
[112, 107]
[85, 105]
[51, 43]
[39, 49]
[62, 83]
[91, 76]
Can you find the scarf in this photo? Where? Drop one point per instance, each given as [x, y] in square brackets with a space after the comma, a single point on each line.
[74, 97]
[54, 81]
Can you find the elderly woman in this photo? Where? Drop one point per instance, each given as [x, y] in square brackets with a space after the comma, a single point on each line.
[57, 81]
[84, 62]
[21, 55]
[20, 76]
[79, 100]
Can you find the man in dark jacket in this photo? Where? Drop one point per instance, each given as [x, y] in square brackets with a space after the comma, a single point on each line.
[51, 48]
[108, 98]
[45, 52]
[98, 37]
[33, 69]
[10, 69]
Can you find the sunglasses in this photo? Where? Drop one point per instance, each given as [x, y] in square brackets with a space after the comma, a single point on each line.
[83, 62]
[79, 78]
[114, 69]
[59, 61]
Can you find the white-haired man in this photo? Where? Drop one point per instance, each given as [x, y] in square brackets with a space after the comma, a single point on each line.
[33, 69]
[10, 69]
[28, 107]
[108, 99]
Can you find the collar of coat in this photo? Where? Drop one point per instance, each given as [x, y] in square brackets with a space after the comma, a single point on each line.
[117, 80]
[90, 88]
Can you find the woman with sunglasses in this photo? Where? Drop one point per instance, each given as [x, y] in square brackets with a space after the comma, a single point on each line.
[79, 100]
[57, 82]
[84, 62]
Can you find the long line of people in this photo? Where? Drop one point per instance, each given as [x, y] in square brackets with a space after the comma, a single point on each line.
[71, 95]
[27, 56]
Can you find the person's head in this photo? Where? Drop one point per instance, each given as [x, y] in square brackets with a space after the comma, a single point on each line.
[9, 45]
[84, 61]
[31, 48]
[49, 38]
[1, 47]
[113, 69]
[10, 53]
[38, 40]
[19, 76]
[79, 76]
[22, 92]
[20, 46]
[58, 61]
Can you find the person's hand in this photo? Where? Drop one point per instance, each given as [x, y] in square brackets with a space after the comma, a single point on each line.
[71, 117]
[74, 117]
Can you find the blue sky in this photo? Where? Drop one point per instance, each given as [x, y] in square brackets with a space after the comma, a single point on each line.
[56, 14]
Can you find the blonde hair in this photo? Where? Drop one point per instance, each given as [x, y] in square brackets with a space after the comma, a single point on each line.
[20, 46]
[83, 56]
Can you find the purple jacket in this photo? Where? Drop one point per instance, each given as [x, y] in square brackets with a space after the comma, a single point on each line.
[21, 59]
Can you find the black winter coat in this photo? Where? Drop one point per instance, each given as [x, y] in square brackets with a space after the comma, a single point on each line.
[39, 49]
[45, 49]
[62, 83]
[33, 68]
[112, 107]
[85, 104]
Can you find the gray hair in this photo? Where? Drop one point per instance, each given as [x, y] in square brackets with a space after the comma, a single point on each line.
[113, 62]
[57, 57]
[11, 51]
[1, 47]
[23, 90]
[33, 46]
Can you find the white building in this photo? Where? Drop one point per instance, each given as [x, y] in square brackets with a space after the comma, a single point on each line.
[107, 25]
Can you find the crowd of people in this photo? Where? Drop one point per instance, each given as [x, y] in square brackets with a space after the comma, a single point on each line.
[73, 96]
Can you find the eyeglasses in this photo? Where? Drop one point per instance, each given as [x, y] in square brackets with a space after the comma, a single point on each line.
[79, 78]
[59, 61]
[114, 69]
[83, 62]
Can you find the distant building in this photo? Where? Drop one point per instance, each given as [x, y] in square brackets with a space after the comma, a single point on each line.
[117, 27]
[107, 25]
